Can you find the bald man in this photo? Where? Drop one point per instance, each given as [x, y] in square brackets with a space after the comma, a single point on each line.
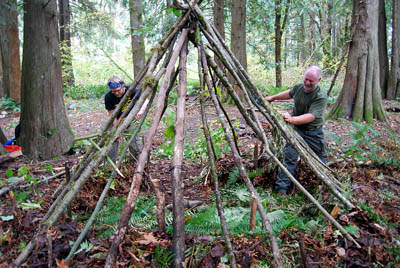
[307, 119]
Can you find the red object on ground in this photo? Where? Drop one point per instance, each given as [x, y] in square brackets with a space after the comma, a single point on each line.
[12, 148]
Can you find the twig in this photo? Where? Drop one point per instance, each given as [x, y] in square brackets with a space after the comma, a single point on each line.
[262, 240]
[49, 250]
[45, 179]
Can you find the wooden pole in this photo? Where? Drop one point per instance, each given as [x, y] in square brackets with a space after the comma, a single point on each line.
[240, 166]
[137, 178]
[213, 168]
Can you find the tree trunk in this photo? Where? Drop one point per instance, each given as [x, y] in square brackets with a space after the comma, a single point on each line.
[360, 98]
[382, 48]
[279, 28]
[238, 35]
[3, 137]
[219, 23]
[44, 123]
[9, 48]
[303, 41]
[394, 77]
[137, 36]
[278, 39]
[65, 42]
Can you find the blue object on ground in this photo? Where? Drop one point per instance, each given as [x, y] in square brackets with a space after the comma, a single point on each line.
[9, 142]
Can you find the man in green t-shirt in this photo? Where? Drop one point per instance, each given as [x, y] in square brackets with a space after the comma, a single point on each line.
[307, 119]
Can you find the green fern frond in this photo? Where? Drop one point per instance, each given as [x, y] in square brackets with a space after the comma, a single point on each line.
[254, 173]
[233, 177]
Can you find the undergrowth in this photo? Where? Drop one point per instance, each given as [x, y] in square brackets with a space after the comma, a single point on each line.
[78, 92]
[366, 144]
[10, 104]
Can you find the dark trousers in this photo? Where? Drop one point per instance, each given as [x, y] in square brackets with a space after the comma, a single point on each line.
[315, 139]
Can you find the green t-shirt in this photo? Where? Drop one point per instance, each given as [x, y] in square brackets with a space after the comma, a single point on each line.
[314, 103]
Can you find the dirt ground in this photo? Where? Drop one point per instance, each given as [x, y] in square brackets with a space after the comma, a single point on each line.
[89, 119]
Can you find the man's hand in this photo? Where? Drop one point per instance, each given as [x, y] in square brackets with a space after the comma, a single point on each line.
[269, 98]
[138, 116]
[287, 117]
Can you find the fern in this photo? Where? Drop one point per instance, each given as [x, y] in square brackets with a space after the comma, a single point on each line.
[232, 178]
[363, 145]
[254, 173]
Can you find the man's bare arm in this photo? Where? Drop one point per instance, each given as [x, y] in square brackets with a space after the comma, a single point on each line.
[300, 119]
[280, 96]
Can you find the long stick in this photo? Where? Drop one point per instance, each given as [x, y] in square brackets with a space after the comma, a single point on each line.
[240, 166]
[213, 168]
[178, 240]
[137, 178]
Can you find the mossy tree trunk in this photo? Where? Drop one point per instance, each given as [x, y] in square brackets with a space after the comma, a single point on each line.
[45, 130]
[360, 98]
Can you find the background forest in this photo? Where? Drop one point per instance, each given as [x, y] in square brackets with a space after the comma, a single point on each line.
[56, 58]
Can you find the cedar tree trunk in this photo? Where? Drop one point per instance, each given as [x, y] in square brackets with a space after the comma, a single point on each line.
[65, 42]
[382, 48]
[279, 28]
[360, 98]
[219, 23]
[137, 36]
[394, 77]
[45, 131]
[238, 37]
[9, 48]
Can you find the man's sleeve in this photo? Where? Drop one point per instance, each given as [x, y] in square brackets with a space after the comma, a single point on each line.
[318, 107]
[293, 90]
[107, 102]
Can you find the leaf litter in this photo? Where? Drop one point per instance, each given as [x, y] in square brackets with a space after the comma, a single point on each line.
[378, 187]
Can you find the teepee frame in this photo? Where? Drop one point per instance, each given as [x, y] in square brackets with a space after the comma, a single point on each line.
[194, 23]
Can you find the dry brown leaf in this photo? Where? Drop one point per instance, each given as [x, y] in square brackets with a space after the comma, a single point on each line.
[147, 239]
[335, 211]
[63, 263]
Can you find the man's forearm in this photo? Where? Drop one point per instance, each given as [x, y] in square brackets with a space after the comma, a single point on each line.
[299, 120]
[281, 96]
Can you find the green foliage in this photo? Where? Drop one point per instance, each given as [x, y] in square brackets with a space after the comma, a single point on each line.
[167, 148]
[85, 246]
[198, 150]
[365, 145]
[10, 104]
[372, 214]
[352, 229]
[163, 257]
[78, 92]
[22, 245]
[232, 177]
[110, 214]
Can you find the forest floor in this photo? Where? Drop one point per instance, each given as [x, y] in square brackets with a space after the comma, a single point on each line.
[373, 182]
